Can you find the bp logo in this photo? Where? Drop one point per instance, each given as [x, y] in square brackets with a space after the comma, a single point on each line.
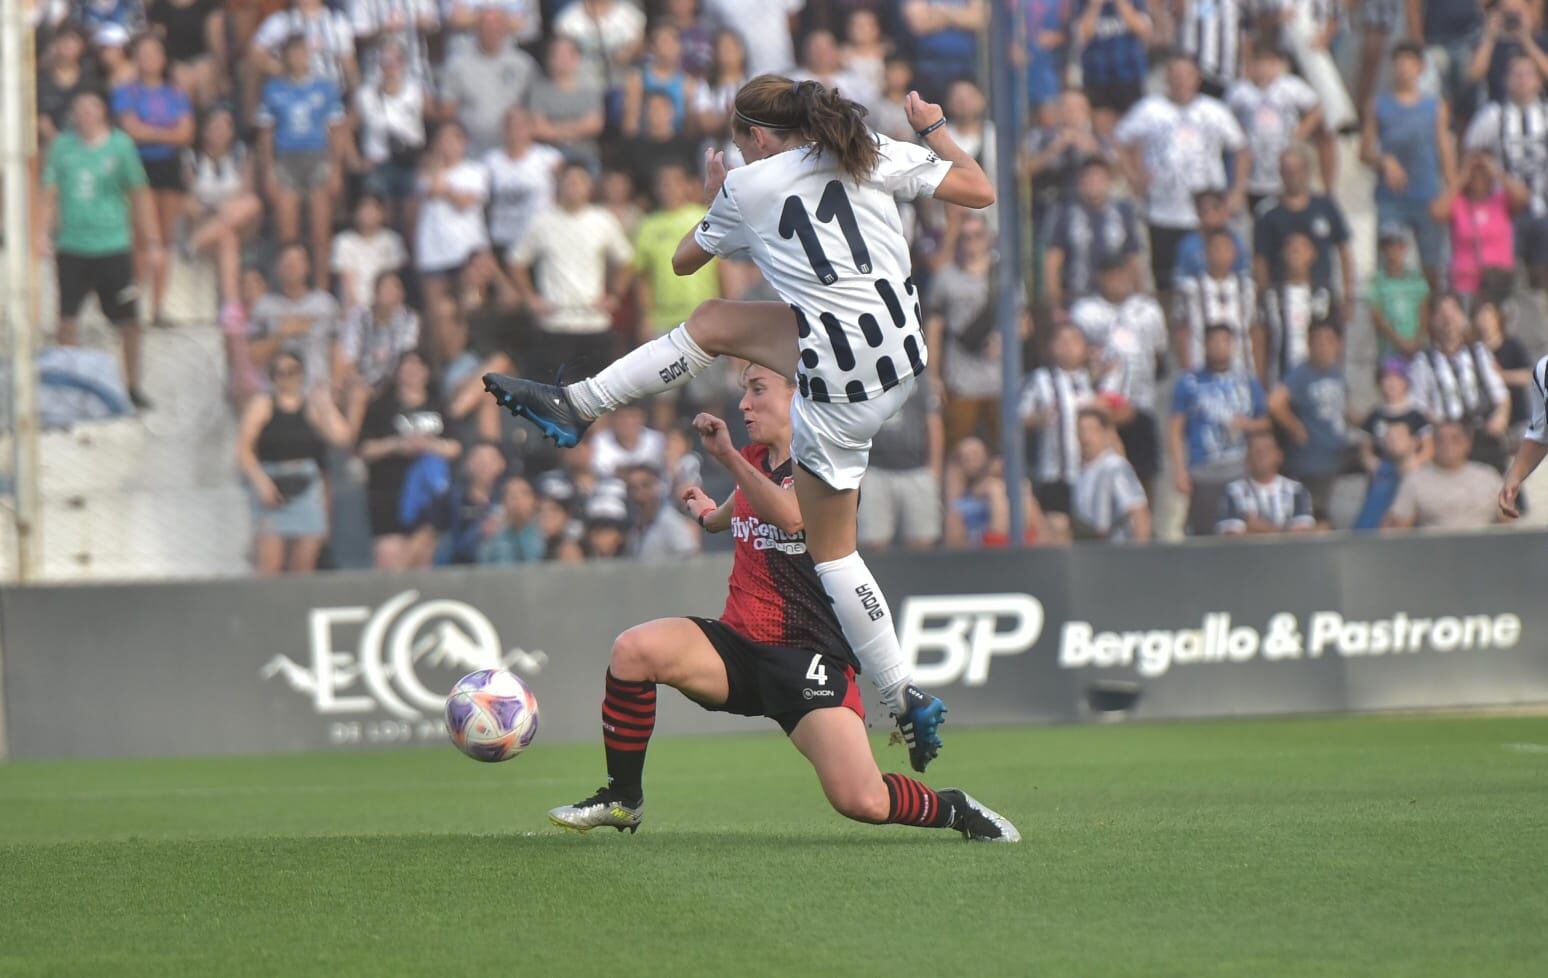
[406, 654]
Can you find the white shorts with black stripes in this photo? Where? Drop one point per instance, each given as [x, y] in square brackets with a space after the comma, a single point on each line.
[832, 439]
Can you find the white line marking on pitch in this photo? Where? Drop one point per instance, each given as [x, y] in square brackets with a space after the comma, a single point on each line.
[1526, 748]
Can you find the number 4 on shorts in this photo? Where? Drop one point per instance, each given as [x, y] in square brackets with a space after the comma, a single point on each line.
[817, 672]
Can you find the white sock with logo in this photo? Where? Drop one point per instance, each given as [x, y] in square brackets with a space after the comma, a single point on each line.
[665, 363]
[867, 623]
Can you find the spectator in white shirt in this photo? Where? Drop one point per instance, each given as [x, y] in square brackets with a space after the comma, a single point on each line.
[626, 442]
[1173, 146]
[363, 253]
[764, 27]
[573, 246]
[390, 109]
[1129, 330]
[610, 35]
[1108, 502]
[1276, 110]
[450, 229]
[522, 175]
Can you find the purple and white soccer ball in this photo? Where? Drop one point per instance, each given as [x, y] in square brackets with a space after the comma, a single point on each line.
[491, 715]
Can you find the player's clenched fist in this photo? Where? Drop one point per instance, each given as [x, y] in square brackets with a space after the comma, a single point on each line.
[697, 502]
[717, 440]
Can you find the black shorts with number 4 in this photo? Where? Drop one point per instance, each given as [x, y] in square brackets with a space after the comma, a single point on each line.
[774, 681]
[110, 277]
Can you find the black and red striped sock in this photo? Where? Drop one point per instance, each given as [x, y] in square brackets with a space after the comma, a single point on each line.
[628, 718]
[911, 802]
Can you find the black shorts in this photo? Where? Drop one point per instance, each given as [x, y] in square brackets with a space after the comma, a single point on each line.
[1052, 497]
[111, 277]
[778, 682]
[1118, 96]
[1142, 445]
[1163, 254]
[164, 174]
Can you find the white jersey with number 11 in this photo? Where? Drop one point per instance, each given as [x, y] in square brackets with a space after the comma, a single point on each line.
[835, 251]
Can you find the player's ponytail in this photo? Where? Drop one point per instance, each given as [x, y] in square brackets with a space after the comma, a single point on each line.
[821, 116]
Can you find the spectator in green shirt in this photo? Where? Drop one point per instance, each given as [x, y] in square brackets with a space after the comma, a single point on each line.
[665, 298]
[93, 186]
[1398, 296]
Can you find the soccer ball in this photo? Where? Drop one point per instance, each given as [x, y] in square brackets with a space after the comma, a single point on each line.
[491, 715]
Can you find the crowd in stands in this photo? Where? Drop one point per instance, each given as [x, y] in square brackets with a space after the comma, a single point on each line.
[396, 196]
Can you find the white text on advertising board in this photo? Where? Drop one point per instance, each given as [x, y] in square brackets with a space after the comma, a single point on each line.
[956, 637]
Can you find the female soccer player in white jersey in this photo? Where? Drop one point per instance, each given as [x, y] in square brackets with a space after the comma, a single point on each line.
[815, 209]
[1534, 445]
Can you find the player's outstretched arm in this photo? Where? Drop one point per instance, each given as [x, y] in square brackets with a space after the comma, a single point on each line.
[1525, 463]
[773, 503]
[965, 183]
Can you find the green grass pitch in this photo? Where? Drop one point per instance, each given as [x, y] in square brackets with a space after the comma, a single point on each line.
[1362, 847]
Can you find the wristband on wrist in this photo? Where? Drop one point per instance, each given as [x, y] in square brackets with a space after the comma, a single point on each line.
[700, 518]
[922, 133]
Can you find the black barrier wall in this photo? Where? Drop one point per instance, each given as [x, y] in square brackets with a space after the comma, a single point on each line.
[354, 661]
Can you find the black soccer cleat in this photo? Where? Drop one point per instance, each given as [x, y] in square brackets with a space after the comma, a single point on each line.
[919, 724]
[606, 807]
[976, 821]
[545, 405]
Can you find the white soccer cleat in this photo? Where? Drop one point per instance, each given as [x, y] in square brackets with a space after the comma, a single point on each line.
[978, 822]
[606, 807]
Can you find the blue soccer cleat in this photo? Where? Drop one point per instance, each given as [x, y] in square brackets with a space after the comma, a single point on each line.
[545, 405]
[919, 723]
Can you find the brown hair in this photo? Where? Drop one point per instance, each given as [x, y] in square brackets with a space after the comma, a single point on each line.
[832, 123]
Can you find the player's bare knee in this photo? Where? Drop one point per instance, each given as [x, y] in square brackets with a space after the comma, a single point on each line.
[710, 326]
[863, 804]
[632, 657]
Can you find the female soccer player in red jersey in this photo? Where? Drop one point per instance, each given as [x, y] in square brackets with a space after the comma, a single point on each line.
[776, 651]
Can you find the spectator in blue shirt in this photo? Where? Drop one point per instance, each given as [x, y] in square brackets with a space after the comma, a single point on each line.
[1407, 139]
[300, 116]
[1311, 405]
[945, 44]
[1048, 23]
[1113, 35]
[512, 533]
[159, 118]
[1400, 456]
[1213, 411]
[1214, 215]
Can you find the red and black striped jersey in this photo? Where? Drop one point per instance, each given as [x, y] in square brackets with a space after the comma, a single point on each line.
[775, 595]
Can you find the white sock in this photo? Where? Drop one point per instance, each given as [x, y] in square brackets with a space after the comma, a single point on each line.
[867, 623]
[665, 363]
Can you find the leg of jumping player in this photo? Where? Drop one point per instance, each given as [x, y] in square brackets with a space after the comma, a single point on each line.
[834, 740]
[669, 651]
[763, 332]
[830, 517]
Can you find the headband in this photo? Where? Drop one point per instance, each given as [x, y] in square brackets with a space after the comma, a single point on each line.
[748, 120]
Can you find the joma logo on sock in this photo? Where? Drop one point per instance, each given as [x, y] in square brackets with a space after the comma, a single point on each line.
[870, 602]
[674, 371]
